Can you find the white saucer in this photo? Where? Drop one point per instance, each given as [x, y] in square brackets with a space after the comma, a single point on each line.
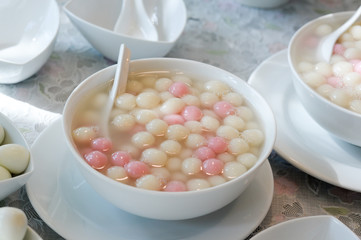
[74, 210]
[300, 140]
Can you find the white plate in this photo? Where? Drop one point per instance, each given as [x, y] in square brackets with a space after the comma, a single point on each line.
[74, 210]
[314, 227]
[300, 140]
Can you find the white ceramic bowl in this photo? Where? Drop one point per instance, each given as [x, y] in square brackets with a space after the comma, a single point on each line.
[30, 29]
[96, 19]
[171, 205]
[339, 121]
[315, 227]
[12, 135]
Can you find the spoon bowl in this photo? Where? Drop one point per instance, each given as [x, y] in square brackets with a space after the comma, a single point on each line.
[327, 43]
[134, 21]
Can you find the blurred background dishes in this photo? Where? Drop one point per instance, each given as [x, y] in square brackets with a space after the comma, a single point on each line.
[96, 20]
[30, 29]
[263, 3]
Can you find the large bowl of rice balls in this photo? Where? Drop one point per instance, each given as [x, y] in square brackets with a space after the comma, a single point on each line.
[183, 140]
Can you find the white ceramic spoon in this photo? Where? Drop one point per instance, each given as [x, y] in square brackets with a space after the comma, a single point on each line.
[134, 21]
[119, 85]
[326, 44]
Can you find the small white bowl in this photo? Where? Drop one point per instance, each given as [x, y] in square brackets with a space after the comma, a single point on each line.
[339, 121]
[12, 135]
[315, 227]
[30, 29]
[171, 205]
[96, 22]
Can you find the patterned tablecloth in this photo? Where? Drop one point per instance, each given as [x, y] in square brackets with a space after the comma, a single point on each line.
[223, 33]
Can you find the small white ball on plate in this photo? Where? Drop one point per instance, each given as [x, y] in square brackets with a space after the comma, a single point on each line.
[149, 182]
[171, 147]
[13, 223]
[247, 159]
[191, 166]
[172, 106]
[157, 127]
[123, 122]
[227, 132]
[125, 101]
[197, 184]
[14, 157]
[84, 135]
[177, 132]
[148, 100]
[233, 169]
[143, 139]
[154, 157]
[163, 84]
[254, 137]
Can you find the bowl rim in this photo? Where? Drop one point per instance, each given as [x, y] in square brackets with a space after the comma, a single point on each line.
[90, 24]
[261, 159]
[291, 61]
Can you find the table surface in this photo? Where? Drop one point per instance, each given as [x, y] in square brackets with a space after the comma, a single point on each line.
[223, 33]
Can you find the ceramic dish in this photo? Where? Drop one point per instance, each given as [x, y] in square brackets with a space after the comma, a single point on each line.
[12, 135]
[300, 140]
[74, 210]
[314, 227]
[97, 20]
[29, 39]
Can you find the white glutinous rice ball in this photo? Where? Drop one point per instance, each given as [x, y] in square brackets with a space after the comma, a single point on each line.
[13, 223]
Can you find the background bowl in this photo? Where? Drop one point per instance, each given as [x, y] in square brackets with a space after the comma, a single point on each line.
[263, 3]
[321, 227]
[12, 135]
[171, 205]
[31, 28]
[339, 121]
[95, 19]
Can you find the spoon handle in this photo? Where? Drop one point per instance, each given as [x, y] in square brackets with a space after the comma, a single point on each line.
[121, 72]
[119, 85]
